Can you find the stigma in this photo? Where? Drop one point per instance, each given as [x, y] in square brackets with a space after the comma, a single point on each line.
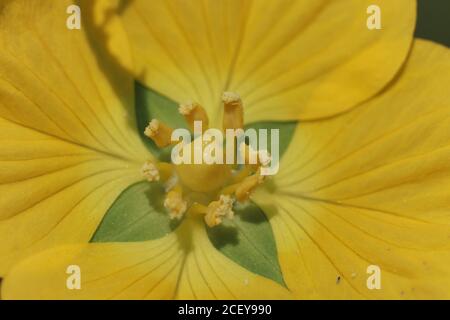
[233, 116]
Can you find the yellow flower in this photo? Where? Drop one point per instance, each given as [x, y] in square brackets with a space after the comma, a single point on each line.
[368, 187]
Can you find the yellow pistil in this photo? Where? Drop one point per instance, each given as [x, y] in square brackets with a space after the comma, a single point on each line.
[218, 210]
[175, 204]
[192, 111]
[159, 133]
[202, 177]
[233, 117]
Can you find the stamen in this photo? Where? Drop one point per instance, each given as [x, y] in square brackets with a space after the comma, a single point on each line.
[175, 204]
[252, 157]
[218, 210]
[264, 158]
[233, 117]
[150, 172]
[159, 133]
[192, 111]
[203, 180]
[247, 186]
[229, 190]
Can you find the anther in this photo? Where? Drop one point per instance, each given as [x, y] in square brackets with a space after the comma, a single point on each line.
[218, 210]
[159, 133]
[150, 172]
[233, 117]
[175, 204]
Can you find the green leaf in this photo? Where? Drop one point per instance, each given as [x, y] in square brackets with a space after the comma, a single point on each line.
[248, 240]
[137, 214]
[152, 105]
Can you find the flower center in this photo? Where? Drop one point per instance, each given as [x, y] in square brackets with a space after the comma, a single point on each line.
[206, 188]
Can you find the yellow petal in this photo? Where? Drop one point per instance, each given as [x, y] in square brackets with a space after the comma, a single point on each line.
[69, 142]
[182, 265]
[371, 187]
[287, 59]
[103, 25]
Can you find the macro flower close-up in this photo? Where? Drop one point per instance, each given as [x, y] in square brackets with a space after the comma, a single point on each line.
[319, 134]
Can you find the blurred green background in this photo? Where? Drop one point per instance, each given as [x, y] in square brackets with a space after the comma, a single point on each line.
[433, 20]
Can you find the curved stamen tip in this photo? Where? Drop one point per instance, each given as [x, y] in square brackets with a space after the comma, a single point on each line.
[264, 157]
[159, 133]
[252, 156]
[150, 172]
[218, 210]
[231, 98]
[152, 129]
[175, 204]
[193, 111]
[186, 108]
